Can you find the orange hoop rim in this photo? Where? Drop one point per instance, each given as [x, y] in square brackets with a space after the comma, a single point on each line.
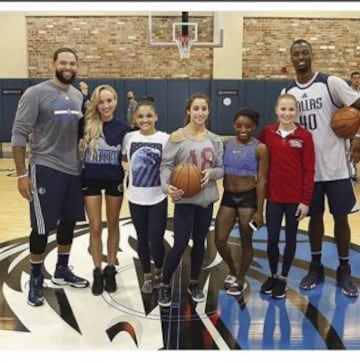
[184, 39]
[184, 43]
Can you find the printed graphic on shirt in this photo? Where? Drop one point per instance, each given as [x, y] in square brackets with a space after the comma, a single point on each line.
[296, 143]
[66, 110]
[145, 164]
[204, 159]
[103, 154]
[308, 108]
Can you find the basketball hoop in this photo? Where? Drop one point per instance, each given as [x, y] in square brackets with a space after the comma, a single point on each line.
[184, 43]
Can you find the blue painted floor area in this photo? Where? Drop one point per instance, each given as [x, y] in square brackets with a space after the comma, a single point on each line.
[322, 318]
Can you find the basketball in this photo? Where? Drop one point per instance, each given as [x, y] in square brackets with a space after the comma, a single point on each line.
[345, 122]
[186, 176]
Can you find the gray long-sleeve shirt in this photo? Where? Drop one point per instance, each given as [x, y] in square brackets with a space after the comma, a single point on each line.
[206, 154]
[49, 115]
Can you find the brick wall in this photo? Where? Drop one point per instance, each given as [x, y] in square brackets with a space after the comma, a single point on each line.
[116, 47]
[335, 44]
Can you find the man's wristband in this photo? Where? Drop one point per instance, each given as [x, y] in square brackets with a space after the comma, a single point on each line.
[22, 176]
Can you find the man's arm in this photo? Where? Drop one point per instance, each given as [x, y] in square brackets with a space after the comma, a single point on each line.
[19, 159]
[25, 117]
[24, 183]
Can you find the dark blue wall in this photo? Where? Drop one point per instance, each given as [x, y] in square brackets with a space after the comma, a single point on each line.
[170, 98]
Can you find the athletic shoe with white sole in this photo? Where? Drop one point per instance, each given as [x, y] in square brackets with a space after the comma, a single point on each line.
[64, 276]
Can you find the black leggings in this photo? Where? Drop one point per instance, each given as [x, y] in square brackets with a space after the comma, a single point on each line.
[188, 219]
[150, 223]
[274, 215]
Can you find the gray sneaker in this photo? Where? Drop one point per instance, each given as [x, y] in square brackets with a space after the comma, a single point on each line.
[147, 287]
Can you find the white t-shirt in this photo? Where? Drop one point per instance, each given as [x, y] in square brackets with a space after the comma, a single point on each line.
[318, 99]
[144, 154]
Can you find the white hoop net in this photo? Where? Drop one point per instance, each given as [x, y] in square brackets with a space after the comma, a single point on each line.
[184, 44]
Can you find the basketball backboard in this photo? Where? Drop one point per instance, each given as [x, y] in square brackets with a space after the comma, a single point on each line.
[182, 31]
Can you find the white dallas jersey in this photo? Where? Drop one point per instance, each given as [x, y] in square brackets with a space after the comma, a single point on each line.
[144, 154]
[318, 99]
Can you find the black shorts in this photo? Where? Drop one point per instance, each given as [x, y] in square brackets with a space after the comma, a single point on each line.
[114, 188]
[340, 198]
[56, 197]
[246, 199]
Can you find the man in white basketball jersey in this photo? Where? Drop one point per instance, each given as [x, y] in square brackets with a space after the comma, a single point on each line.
[319, 95]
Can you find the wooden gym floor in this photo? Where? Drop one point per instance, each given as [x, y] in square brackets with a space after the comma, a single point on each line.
[74, 319]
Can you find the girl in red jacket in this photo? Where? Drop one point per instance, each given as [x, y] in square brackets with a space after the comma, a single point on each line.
[289, 188]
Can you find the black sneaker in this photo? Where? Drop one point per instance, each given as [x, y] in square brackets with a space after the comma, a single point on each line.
[236, 289]
[98, 283]
[268, 285]
[109, 277]
[314, 276]
[279, 289]
[343, 279]
[36, 295]
[164, 298]
[64, 276]
[195, 292]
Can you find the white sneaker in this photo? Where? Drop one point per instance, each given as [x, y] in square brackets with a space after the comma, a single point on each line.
[229, 281]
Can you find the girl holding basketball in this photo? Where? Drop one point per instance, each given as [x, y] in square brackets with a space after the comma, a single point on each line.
[290, 187]
[143, 149]
[193, 143]
[245, 170]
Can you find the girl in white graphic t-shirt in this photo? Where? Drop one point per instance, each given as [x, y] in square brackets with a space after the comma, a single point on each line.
[142, 149]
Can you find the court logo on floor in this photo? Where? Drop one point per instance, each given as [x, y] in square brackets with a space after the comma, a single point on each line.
[75, 319]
